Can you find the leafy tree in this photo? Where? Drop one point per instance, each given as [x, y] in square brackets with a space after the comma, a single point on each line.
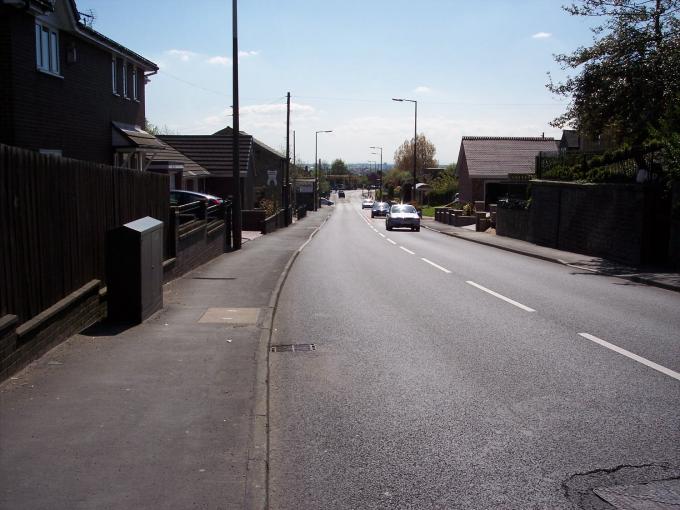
[338, 167]
[628, 79]
[396, 177]
[425, 152]
[158, 130]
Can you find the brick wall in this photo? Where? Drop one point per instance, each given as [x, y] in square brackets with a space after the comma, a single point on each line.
[194, 249]
[513, 223]
[605, 220]
[27, 342]
[674, 244]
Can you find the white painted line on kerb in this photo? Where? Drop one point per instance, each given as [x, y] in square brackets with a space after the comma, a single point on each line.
[435, 265]
[639, 359]
[390, 241]
[501, 296]
[407, 250]
[381, 235]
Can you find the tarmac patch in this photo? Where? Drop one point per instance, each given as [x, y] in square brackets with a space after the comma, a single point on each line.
[235, 316]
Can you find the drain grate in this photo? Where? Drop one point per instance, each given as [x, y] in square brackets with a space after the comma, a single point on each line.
[294, 348]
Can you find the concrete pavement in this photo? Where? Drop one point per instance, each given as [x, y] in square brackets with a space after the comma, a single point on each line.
[663, 279]
[168, 414]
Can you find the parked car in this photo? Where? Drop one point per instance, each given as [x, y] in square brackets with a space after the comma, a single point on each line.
[182, 197]
[403, 216]
[367, 204]
[341, 194]
[325, 201]
[379, 209]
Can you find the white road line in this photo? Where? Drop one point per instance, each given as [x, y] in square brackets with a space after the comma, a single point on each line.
[435, 265]
[382, 235]
[407, 250]
[639, 359]
[500, 296]
[390, 241]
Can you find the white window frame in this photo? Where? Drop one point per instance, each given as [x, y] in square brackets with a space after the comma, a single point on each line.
[47, 55]
[125, 80]
[135, 84]
[114, 75]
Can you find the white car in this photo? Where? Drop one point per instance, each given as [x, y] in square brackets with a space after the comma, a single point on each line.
[367, 204]
[403, 216]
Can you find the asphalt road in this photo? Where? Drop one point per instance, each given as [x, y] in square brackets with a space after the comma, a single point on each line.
[427, 391]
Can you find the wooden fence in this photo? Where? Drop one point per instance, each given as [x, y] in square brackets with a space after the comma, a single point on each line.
[54, 215]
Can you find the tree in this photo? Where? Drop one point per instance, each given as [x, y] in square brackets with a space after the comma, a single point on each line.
[338, 167]
[158, 130]
[403, 156]
[629, 77]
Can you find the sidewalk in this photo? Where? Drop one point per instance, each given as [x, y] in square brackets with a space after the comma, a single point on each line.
[169, 414]
[665, 280]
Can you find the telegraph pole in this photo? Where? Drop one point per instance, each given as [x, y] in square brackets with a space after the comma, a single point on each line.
[236, 178]
[286, 171]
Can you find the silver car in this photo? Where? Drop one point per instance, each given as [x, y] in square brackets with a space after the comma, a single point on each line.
[403, 216]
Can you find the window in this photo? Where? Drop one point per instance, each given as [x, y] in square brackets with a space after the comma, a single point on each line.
[46, 48]
[135, 84]
[124, 72]
[114, 76]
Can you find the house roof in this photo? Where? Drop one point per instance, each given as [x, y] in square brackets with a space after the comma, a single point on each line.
[39, 7]
[228, 130]
[212, 152]
[490, 156]
[134, 136]
[167, 153]
[570, 139]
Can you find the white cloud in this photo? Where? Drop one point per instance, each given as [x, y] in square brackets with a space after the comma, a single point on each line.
[183, 55]
[541, 35]
[422, 89]
[219, 60]
[250, 53]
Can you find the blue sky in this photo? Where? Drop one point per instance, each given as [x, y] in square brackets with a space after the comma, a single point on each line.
[475, 68]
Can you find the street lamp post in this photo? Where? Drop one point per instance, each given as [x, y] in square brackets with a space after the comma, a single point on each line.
[381, 169]
[316, 165]
[415, 142]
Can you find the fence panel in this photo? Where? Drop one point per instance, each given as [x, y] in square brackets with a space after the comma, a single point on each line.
[54, 215]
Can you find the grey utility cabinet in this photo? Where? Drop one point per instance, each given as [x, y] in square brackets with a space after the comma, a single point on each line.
[134, 270]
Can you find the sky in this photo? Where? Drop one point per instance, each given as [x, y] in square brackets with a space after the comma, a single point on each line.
[476, 68]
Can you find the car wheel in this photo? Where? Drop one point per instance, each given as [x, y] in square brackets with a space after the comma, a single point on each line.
[417, 229]
[372, 215]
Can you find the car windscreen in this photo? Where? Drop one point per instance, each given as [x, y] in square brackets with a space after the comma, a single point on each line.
[380, 205]
[403, 209]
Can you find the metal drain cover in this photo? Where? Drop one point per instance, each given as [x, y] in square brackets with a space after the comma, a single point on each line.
[294, 348]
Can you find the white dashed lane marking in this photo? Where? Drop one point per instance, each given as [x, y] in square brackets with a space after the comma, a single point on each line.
[500, 296]
[390, 241]
[435, 265]
[407, 250]
[628, 354]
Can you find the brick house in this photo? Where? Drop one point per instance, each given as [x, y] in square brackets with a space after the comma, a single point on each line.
[66, 88]
[261, 167]
[486, 164]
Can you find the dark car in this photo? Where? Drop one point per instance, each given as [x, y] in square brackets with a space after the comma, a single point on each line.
[182, 197]
[403, 216]
[380, 209]
[325, 201]
[341, 194]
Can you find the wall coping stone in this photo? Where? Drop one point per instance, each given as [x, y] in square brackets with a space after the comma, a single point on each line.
[89, 288]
